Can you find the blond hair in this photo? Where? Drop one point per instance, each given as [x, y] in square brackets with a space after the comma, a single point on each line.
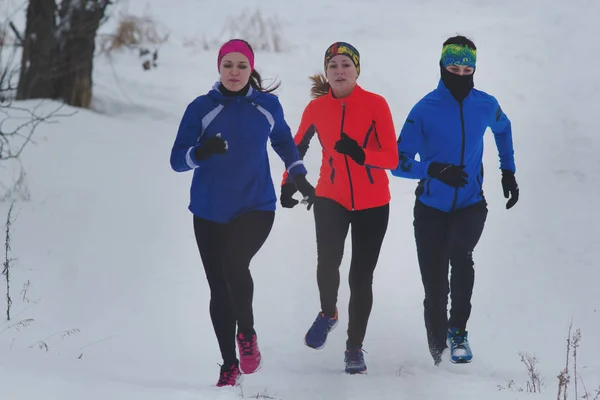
[320, 85]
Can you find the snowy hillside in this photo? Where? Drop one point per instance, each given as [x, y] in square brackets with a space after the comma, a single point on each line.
[107, 276]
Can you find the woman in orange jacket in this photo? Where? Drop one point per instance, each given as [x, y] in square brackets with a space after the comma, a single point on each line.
[358, 141]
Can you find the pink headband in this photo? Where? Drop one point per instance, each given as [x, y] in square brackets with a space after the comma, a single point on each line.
[236, 46]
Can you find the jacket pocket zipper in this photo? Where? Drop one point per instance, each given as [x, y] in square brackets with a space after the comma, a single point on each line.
[370, 175]
[365, 143]
[332, 175]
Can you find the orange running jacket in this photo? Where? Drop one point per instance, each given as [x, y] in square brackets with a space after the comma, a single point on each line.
[365, 117]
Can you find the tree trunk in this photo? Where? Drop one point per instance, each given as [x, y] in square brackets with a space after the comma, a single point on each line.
[80, 20]
[67, 63]
[40, 50]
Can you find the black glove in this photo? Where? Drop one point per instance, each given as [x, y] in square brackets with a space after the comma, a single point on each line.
[509, 185]
[451, 175]
[351, 148]
[288, 190]
[307, 190]
[212, 145]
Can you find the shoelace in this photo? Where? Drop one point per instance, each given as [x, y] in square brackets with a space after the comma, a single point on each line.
[226, 376]
[458, 341]
[322, 319]
[319, 320]
[356, 356]
[247, 346]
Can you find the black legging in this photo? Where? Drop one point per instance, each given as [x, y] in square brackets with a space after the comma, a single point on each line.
[332, 222]
[444, 240]
[226, 251]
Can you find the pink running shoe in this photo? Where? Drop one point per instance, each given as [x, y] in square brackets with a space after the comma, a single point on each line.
[250, 358]
[230, 376]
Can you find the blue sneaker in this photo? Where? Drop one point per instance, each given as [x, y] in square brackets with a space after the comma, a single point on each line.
[317, 334]
[355, 361]
[460, 351]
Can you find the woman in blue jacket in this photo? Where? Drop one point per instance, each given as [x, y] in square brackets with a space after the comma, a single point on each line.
[446, 128]
[223, 138]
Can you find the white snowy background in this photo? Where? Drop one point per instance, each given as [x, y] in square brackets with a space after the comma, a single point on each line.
[115, 292]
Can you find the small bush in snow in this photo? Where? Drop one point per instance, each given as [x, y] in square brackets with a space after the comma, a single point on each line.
[141, 34]
[133, 32]
[564, 377]
[263, 33]
[534, 384]
[511, 386]
[43, 344]
[263, 395]
[7, 261]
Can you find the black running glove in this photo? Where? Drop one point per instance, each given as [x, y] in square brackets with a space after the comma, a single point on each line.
[212, 145]
[351, 148]
[451, 175]
[288, 190]
[307, 190]
[509, 185]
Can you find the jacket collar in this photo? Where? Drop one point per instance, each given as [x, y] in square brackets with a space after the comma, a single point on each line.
[443, 89]
[216, 94]
[354, 95]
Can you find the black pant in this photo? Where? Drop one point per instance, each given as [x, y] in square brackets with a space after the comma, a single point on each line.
[226, 251]
[332, 222]
[442, 239]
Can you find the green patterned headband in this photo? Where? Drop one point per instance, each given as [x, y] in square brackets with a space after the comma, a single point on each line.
[456, 54]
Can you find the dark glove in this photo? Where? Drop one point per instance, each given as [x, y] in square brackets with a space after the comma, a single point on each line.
[307, 190]
[351, 148]
[288, 190]
[212, 145]
[509, 185]
[451, 175]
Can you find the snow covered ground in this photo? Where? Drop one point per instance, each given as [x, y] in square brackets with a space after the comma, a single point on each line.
[116, 297]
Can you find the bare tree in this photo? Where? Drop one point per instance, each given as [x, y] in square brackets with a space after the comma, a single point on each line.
[58, 50]
[40, 51]
[18, 122]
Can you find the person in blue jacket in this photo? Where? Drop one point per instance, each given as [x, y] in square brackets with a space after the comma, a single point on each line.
[446, 128]
[223, 138]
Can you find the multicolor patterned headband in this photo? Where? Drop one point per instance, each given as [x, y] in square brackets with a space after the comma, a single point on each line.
[345, 49]
[456, 54]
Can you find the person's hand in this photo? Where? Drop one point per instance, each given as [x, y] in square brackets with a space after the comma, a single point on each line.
[287, 192]
[306, 189]
[510, 187]
[212, 145]
[350, 147]
[452, 175]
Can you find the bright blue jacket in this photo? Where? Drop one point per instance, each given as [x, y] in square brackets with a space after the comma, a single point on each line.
[225, 186]
[440, 129]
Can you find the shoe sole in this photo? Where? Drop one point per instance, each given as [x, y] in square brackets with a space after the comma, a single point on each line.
[256, 370]
[356, 372]
[461, 361]
[325, 342]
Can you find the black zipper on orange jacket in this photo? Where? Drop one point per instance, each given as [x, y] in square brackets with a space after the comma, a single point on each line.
[346, 157]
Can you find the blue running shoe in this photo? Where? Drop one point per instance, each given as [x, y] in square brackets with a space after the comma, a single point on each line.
[355, 361]
[460, 351]
[317, 334]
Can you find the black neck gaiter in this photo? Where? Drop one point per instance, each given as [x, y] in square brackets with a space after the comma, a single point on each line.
[228, 93]
[458, 85]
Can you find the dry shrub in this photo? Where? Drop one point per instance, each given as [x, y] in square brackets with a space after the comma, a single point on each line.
[140, 34]
[263, 33]
[133, 32]
[534, 384]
